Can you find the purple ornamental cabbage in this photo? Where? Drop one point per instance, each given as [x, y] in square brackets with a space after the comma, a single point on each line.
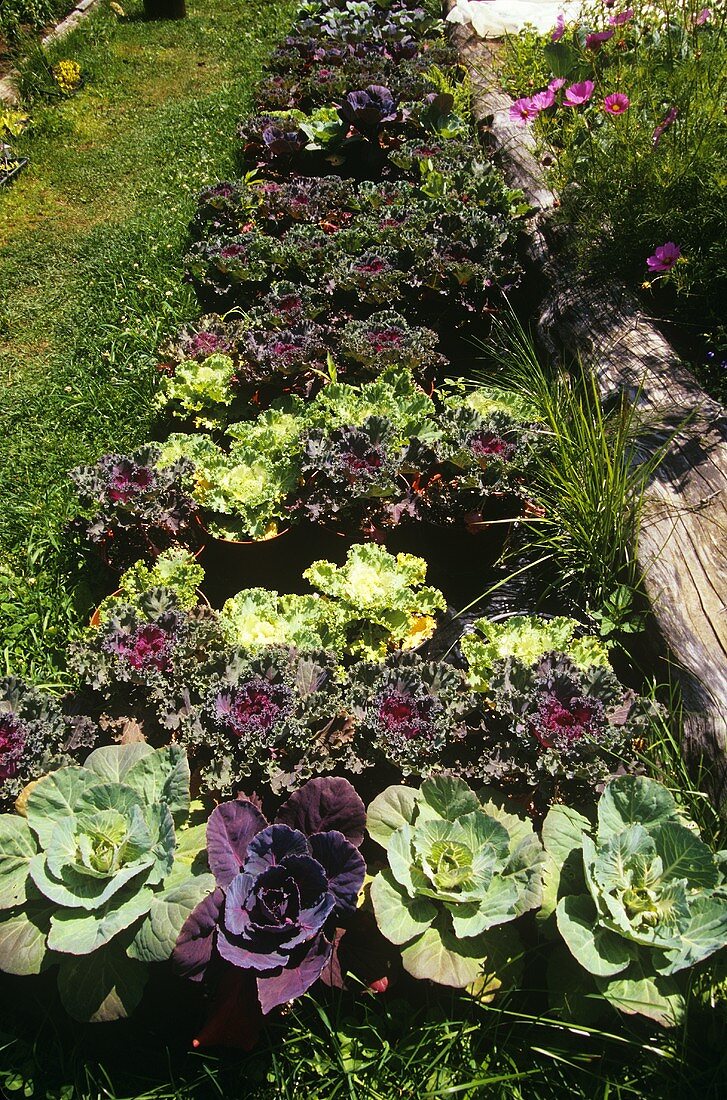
[281, 889]
[369, 110]
[283, 143]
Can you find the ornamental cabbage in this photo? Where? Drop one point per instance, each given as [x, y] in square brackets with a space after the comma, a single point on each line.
[261, 717]
[527, 638]
[458, 868]
[555, 731]
[641, 899]
[198, 387]
[258, 617]
[282, 889]
[35, 735]
[175, 570]
[408, 711]
[99, 875]
[382, 597]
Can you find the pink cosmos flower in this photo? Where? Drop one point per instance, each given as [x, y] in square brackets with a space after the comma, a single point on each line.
[543, 100]
[621, 18]
[523, 111]
[578, 94]
[664, 125]
[595, 41]
[557, 83]
[664, 258]
[559, 28]
[702, 17]
[616, 104]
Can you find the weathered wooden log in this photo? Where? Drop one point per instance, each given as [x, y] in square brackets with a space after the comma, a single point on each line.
[682, 549]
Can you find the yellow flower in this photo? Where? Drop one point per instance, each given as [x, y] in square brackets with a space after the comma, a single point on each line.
[117, 9]
[67, 76]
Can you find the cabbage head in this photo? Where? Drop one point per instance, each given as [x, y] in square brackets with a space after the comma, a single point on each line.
[640, 899]
[98, 872]
[458, 869]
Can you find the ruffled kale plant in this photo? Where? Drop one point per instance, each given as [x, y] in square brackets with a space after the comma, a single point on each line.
[258, 617]
[241, 491]
[281, 892]
[386, 340]
[408, 712]
[640, 900]
[149, 658]
[527, 638]
[382, 597]
[133, 508]
[210, 335]
[175, 570]
[558, 721]
[35, 736]
[99, 875]
[346, 473]
[267, 717]
[459, 869]
[199, 387]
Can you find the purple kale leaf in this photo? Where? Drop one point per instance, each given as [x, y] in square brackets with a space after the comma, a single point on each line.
[557, 728]
[135, 509]
[259, 716]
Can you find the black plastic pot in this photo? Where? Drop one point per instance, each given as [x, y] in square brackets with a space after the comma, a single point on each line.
[165, 9]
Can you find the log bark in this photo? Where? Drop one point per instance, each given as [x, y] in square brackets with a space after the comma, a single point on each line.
[682, 548]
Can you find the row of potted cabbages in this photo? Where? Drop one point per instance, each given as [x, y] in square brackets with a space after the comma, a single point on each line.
[200, 795]
[109, 868]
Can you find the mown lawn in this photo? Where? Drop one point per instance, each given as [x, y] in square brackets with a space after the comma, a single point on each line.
[91, 238]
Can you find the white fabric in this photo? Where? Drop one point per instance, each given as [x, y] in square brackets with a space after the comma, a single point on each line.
[496, 18]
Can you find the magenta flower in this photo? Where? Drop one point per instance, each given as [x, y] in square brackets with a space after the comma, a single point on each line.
[664, 125]
[702, 17]
[616, 104]
[559, 28]
[557, 83]
[543, 100]
[578, 94]
[523, 111]
[595, 41]
[621, 18]
[664, 258]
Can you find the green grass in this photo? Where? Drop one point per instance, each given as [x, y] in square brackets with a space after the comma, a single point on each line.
[431, 1047]
[90, 243]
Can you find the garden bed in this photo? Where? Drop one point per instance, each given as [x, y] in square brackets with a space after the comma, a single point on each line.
[402, 753]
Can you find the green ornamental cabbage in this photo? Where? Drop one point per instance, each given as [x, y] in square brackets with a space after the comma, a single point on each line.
[196, 387]
[458, 868]
[175, 570]
[382, 597]
[100, 874]
[641, 900]
[527, 638]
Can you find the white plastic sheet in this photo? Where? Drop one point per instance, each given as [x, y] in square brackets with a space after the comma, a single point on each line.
[496, 18]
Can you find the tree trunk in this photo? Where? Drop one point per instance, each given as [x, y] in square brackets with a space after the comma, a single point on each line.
[682, 548]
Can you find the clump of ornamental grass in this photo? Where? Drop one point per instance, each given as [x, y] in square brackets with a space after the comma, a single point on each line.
[589, 481]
